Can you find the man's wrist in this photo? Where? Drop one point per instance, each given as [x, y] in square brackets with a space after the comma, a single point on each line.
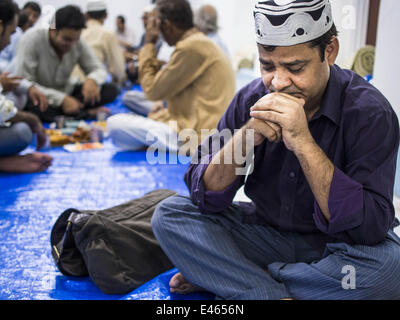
[29, 118]
[88, 80]
[304, 145]
[151, 39]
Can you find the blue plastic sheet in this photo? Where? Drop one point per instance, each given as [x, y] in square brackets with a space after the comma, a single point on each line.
[30, 204]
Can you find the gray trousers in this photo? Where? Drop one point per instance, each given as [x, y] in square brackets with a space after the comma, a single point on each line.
[230, 259]
[133, 132]
[137, 102]
[14, 139]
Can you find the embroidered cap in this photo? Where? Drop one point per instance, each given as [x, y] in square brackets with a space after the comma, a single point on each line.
[291, 22]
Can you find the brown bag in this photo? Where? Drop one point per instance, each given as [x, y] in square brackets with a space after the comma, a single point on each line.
[116, 247]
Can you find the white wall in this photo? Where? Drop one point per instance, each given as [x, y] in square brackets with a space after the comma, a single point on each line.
[387, 60]
[236, 20]
[351, 19]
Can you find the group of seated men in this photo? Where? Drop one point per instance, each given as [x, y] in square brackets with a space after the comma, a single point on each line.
[63, 70]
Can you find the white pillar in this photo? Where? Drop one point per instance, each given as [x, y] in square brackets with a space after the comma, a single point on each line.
[387, 61]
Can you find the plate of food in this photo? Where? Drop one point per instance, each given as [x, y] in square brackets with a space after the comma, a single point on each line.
[81, 135]
[78, 147]
[58, 139]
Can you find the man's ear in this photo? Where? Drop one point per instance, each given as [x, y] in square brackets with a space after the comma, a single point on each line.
[1, 27]
[332, 51]
[53, 32]
[166, 24]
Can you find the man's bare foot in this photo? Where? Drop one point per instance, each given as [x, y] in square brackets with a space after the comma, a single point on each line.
[94, 112]
[179, 284]
[30, 163]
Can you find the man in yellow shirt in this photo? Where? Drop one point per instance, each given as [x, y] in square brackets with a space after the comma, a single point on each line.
[197, 84]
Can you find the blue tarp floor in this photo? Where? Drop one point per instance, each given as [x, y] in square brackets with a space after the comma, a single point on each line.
[30, 204]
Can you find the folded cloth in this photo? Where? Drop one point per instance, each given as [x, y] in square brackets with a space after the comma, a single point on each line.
[363, 61]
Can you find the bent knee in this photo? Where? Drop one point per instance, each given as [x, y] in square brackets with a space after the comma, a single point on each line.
[168, 212]
[123, 122]
[123, 132]
[23, 134]
[379, 267]
[162, 210]
[114, 123]
[385, 283]
[133, 96]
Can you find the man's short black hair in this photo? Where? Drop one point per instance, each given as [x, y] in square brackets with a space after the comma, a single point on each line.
[8, 10]
[178, 12]
[321, 42]
[33, 6]
[70, 17]
[122, 18]
[23, 19]
[97, 15]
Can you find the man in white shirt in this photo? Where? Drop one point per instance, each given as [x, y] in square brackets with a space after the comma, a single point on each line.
[126, 36]
[16, 127]
[103, 42]
[48, 57]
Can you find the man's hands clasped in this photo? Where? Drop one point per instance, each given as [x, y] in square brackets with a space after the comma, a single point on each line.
[278, 117]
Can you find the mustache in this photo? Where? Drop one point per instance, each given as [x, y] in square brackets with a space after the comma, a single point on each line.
[291, 92]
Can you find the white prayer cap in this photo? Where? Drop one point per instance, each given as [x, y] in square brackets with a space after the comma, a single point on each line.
[290, 22]
[94, 6]
[149, 8]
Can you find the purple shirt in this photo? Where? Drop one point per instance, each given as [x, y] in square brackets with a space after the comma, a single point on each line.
[359, 132]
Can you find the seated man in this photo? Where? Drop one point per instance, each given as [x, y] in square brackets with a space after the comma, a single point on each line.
[126, 36]
[47, 58]
[197, 83]
[16, 88]
[325, 143]
[28, 16]
[132, 54]
[104, 43]
[17, 127]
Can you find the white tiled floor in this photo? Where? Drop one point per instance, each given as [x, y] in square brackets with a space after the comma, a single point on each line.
[240, 196]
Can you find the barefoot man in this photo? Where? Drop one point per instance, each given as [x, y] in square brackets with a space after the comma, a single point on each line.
[320, 224]
[17, 127]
